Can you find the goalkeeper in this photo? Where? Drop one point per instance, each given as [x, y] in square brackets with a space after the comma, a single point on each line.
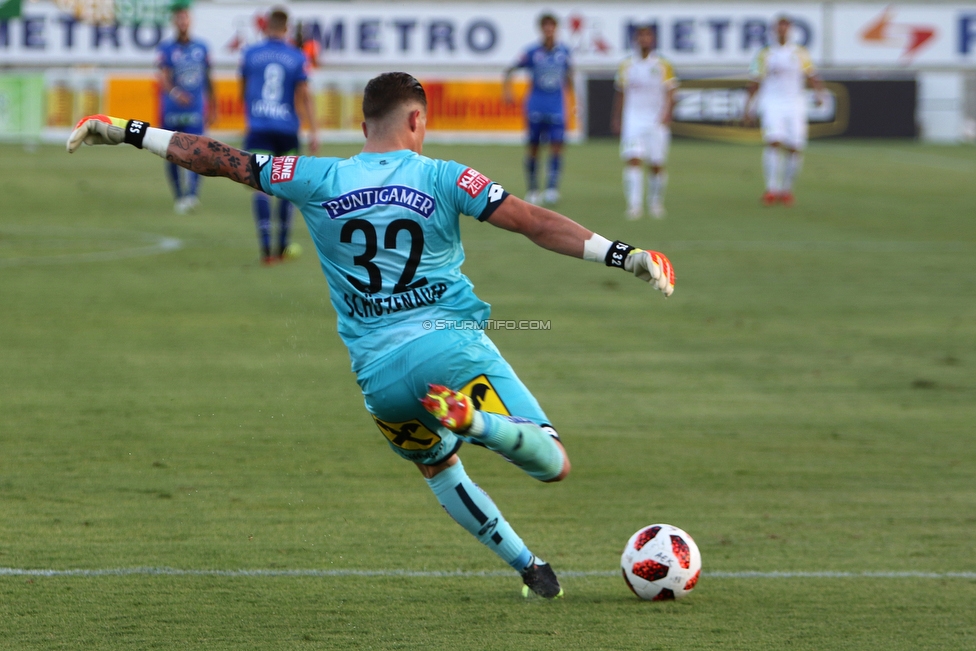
[385, 225]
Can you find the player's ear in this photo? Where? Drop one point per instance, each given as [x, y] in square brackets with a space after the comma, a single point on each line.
[414, 119]
[365, 131]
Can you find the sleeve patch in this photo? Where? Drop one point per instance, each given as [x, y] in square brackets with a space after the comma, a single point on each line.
[473, 182]
[283, 168]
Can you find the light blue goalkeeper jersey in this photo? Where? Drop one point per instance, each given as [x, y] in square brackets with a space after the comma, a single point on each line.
[387, 232]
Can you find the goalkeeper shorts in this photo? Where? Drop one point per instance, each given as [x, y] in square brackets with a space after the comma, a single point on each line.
[465, 360]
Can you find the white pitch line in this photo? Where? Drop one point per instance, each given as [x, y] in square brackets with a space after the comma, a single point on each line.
[170, 571]
[160, 244]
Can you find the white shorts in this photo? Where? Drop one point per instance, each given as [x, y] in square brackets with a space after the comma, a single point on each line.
[785, 124]
[648, 141]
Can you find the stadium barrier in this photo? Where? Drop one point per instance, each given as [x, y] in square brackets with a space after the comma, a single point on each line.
[460, 108]
[713, 109]
[21, 107]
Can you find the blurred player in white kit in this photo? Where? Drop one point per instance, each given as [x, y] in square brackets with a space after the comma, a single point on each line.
[645, 85]
[780, 73]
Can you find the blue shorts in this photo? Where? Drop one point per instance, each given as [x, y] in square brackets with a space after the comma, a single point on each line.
[271, 142]
[464, 360]
[546, 126]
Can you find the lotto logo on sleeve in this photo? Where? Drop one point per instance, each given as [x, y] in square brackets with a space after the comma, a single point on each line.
[473, 182]
[283, 168]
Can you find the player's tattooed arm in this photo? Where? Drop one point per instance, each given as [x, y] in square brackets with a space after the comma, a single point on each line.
[210, 157]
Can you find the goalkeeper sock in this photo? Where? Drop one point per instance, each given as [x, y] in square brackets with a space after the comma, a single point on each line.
[284, 224]
[772, 163]
[555, 163]
[262, 216]
[794, 163]
[530, 173]
[634, 186]
[522, 442]
[173, 173]
[473, 509]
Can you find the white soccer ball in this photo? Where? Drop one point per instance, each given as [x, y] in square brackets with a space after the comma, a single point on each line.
[661, 562]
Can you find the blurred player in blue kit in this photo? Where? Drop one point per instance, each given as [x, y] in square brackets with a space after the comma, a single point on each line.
[187, 101]
[386, 226]
[551, 68]
[274, 80]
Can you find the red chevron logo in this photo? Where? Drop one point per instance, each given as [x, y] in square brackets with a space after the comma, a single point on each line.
[884, 31]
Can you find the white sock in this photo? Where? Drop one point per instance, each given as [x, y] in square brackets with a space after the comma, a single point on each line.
[659, 182]
[794, 163]
[634, 186]
[772, 164]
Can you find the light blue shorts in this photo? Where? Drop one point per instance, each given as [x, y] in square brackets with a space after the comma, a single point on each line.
[465, 360]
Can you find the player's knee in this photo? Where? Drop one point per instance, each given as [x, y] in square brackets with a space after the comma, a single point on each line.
[566, 467]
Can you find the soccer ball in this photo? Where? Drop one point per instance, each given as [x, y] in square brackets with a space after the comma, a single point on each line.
[661, 562]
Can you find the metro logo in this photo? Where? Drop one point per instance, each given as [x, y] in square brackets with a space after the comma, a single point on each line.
[283, 168]
[473, 182]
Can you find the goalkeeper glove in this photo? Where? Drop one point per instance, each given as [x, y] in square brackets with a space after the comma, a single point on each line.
[651, 267]
[105, 130]
[97, 130]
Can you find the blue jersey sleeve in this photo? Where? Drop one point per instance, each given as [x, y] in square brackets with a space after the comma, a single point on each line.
[469, 191]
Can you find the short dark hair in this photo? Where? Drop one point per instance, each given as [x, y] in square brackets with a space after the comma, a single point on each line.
[389, 91]
[278, 19]
[547, 18]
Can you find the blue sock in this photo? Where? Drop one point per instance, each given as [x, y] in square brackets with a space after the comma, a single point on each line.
[284, 224]
[530, 175]
[193, 181]
[555, 162]
[173, 173]
[473, 509]
[520, 441]
[262, 216]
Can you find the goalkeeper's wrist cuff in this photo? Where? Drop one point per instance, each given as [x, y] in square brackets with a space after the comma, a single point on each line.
[142, 136]
[618, 253]
[612, 254]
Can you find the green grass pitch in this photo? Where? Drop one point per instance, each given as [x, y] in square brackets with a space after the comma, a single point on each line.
[804, 403]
